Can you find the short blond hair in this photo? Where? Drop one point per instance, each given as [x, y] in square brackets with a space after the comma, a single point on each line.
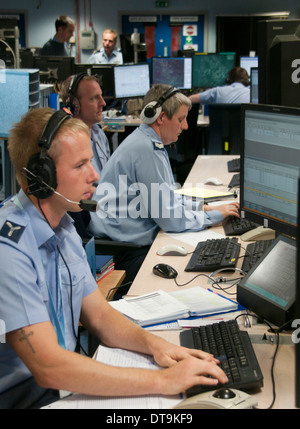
[25, 135]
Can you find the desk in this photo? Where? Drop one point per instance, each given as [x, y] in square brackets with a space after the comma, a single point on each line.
[146, 281]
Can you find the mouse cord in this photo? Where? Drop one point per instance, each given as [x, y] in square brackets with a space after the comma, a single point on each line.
[276, 332]
[214, 282]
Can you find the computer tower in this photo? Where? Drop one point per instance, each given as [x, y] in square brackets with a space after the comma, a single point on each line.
[267, 31]
[284, 76]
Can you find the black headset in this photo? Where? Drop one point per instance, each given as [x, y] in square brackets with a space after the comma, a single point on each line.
[153, 109]
[41, 170]
[72, 102]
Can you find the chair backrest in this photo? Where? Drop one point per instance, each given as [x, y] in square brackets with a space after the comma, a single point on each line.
[188, 144]
[224, 133]
[81, 221]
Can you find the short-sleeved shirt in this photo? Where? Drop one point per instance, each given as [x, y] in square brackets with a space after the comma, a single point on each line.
[101, 57]
[101, 149]
[136, 195]
[234, 93]
[35, 281]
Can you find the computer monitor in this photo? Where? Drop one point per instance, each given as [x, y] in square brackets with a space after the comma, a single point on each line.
[54, 69]
[131, 80]
[254, 85]
[172, 71]
[270, 165]
[104, 73]
[248, 63]
[211, 70]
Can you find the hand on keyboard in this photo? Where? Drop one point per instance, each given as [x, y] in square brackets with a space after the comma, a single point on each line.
[230, 209]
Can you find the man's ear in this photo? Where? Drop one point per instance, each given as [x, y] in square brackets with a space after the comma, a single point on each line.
[161, 117]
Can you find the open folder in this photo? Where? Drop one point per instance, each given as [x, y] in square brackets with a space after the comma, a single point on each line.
[161, 306]
[208, 195]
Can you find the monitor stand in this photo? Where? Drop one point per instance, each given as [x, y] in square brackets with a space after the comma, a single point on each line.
[259, 233]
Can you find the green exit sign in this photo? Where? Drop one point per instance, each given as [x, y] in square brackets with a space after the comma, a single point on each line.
[161, 4]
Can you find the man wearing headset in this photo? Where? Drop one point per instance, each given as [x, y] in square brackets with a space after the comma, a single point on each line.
[136, 170]
[47, 285]
[82, 94]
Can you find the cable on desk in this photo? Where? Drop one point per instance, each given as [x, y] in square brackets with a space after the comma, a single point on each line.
[116, 287]
[276, 333]
[213, 283]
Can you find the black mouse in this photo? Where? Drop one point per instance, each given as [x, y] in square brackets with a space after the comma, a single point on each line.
[165, 271]
[224, 393]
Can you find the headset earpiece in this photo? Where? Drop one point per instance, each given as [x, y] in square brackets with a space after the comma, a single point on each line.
[150, 113]
[41, 167]
[153, 109]
[42, 171]
[72, 102]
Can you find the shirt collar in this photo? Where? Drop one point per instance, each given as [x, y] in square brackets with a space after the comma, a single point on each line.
[43, 232]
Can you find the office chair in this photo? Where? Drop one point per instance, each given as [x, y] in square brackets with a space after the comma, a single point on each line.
[183, 153]
[103, 246]
[224, 132]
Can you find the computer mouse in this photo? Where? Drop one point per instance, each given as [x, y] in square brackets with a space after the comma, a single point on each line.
[165, 271]
[172, 250]
[208, 400]
[213, 181]
[224, 393]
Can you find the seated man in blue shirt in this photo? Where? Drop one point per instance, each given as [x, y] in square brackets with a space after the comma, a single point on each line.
[109, 53]
[237, 91]
[47, 284]
[82, 94]
[58, 46]
[136, 190]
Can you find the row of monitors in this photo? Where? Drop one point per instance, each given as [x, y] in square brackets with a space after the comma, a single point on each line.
[134, 80]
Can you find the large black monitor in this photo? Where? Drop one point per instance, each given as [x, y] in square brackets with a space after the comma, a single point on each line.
[131, 81]
[104, 73]
[211, 70]
[270, 165]
[172, 71]
[54, 69]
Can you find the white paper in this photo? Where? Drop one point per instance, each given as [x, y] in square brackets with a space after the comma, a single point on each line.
[193, 238]
[154, 307]
[125, 359]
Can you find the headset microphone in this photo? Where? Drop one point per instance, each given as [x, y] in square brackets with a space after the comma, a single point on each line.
[89, 205]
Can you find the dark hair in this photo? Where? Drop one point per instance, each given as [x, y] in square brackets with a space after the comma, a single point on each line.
[63, 21]
[238, 74]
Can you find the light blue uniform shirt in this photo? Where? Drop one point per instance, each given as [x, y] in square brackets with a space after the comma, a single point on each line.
[136, 194]
[32, 272]
[101, 57]
[100, 146]
[234, 93]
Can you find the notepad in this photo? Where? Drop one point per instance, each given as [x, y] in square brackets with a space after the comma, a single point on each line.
[161, 306]
[206, 194]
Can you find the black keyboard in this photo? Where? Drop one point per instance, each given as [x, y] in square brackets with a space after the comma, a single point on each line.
[234, 165]
[254, 252]
[232, 347]
[237, 226]
[213, 254]
[235, 181]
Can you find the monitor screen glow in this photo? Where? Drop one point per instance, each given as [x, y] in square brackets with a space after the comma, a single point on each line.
[131, 80]
[172, 71]
[270, 165]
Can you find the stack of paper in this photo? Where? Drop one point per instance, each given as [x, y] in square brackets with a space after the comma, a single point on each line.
[206, 194]
[160, 306]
